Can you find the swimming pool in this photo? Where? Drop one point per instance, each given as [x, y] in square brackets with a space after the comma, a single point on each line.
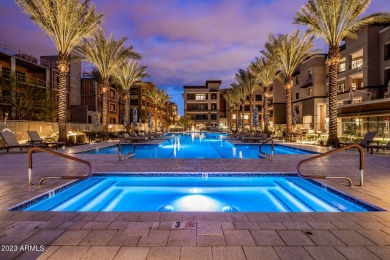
[205, 192]
[197, 145]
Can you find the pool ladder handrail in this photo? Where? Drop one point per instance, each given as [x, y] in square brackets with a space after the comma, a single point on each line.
[130, 154]
[270, 157]
[64, 177]
[361, 165]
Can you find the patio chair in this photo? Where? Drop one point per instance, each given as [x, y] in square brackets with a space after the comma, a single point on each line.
[366, 142]
[36, 139]
[11, 142]
[129, 138]
[383, 147]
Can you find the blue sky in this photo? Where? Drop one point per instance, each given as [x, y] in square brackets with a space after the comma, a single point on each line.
[182, 42]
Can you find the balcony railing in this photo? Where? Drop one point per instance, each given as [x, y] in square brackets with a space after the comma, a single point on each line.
[23, 79]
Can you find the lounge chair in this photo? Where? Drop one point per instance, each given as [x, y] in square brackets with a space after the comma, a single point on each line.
[129, 138]
[383, 147]
[366, 142]
[11, 142]
[36, 139]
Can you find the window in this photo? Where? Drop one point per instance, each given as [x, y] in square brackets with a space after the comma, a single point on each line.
[258, 97]
[357, 63]
[297, 95]
[310, 73]
[246, 117]
[112, 107]
[340, 87]
[309, 92]
[201, 117]
[234, 116]
[213, 116]
[353, 86]
[341, 67]
[213, 106]
[200, 97]
[213, 96]
[112, 93]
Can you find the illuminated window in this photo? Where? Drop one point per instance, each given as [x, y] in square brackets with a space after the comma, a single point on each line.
[310, 73]
[357, 63]
[340, 87]
[353, 86]
[246, 117]
[234, 116]
[341, 67]
[200, 97]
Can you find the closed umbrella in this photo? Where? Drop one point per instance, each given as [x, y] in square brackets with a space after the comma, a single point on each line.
[255, 116]
[135, 116]
[149, 120]
[294, 118]
[239, 121]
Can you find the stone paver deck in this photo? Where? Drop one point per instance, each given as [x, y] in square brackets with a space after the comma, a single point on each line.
[148, 235]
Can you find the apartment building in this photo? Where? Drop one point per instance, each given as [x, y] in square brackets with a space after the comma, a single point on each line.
[309, 97]
[208, 109]
[202, 104]
[172, 113]
[363, 79]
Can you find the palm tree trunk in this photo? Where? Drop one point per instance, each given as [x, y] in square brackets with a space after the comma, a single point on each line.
[333, 60]
[156, 126]
[251, 112]
[288, 87]
[265, 110]
[242, 116]
[63, 68]
[237, 110]
[127, 110]
[105, 89]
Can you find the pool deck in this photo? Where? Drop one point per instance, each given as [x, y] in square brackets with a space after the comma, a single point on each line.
[146, 235]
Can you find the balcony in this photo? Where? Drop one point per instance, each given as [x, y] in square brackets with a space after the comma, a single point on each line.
[377, 106]
[19, 78]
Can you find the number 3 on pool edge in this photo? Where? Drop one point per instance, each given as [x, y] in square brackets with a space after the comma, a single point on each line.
[177, 224]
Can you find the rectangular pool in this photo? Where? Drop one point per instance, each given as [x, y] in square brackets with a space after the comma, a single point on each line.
[197, 146]
[216, 192]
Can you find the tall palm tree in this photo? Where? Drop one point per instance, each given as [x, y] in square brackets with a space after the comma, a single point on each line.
[265, 72]
[334, 21]
[163, 101]
[242, 92]
[246, 79]
[128, 74]
[233, 100]
[107, 55]
[288, 51]
[66, 22]
[154, 94]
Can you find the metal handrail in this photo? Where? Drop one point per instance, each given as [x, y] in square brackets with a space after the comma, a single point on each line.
[361, 166]
[270, 157]
[64, 177]
[130, 154]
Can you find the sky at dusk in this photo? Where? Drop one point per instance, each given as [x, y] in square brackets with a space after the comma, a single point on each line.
[182, 42]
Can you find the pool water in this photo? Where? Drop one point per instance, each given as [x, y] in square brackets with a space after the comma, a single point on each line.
[197, 145]
[210, 193]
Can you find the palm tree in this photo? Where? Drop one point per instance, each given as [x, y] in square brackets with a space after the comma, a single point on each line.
[245, 78]
[288, 51]
[66, 22]
[107, 55]
[128, 74]
[265, 72]
[334, 21]
[185, 121]
[233, 100]
[154, 94]
[242, 93]
[163, 101]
